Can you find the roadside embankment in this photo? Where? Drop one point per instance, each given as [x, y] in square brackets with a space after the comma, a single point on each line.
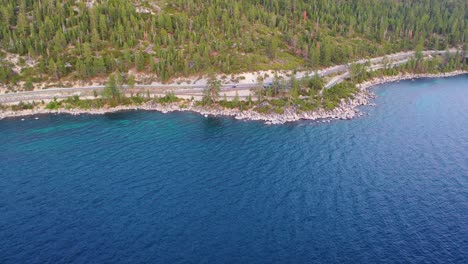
[347, 109]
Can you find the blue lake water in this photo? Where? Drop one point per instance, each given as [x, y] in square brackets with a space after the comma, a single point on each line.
[145, 187]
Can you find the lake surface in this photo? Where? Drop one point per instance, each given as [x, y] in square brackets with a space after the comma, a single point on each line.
[145, 187]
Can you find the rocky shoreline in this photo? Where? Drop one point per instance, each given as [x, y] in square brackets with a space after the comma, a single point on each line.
[347, 109]
[402, 77]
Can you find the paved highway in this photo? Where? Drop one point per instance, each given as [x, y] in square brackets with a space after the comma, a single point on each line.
[342, 72]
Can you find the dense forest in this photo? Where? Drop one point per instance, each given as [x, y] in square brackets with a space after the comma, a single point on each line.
[86, 39]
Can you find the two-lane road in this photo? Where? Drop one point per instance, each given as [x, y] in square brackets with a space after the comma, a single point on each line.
[341, 72]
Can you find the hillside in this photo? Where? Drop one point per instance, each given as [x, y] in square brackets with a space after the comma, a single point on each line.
[51, 40]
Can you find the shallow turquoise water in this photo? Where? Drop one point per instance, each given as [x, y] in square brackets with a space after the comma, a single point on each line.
[141, 187]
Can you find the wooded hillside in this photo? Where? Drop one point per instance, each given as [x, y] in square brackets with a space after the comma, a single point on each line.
[84, 39]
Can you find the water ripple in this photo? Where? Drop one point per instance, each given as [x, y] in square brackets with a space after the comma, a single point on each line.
[140, 187]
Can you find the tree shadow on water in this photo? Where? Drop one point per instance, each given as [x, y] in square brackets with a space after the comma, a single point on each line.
[213, 122]
[119, 116]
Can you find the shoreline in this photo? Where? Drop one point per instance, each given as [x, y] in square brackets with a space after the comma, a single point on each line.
[402, 77]
[346, 110]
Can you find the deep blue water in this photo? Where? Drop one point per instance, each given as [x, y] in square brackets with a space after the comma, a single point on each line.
[145, 187]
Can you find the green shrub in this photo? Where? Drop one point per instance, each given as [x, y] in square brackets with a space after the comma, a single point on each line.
[279, 110]
[168, 98]
[264, 109]
[278, 102]
[53, 105]
[22, 106]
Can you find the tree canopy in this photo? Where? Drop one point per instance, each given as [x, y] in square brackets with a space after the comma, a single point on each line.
[85, 39]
